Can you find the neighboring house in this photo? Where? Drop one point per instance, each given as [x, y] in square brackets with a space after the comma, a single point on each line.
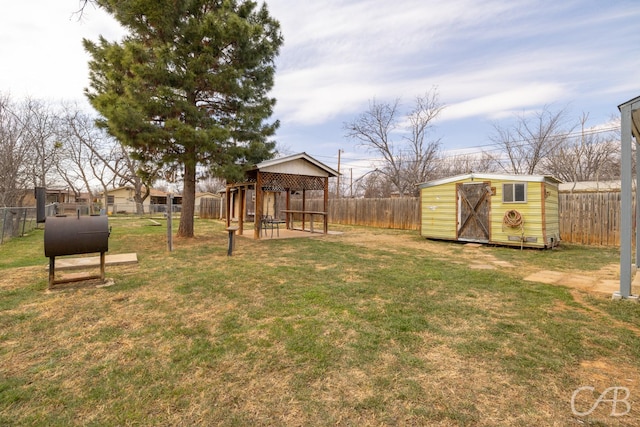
[121, 200]
[62, 196]
[518, 210]
[590, 187]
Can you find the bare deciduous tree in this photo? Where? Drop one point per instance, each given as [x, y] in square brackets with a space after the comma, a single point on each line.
[14, 154]
[408, 155]
[593, 155]
[211, 185]
[40, 125]
[27, 147]
[374, 185]
[423, 151]
[531, 140]
[91, 154]
[84, 153]
[466, 163]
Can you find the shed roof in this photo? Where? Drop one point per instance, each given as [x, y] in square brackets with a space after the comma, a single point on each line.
[300, 163]
[491, 176]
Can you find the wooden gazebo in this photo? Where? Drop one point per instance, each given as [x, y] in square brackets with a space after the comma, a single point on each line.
[297, 173]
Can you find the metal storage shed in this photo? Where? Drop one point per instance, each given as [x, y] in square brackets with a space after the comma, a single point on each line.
[516, 210]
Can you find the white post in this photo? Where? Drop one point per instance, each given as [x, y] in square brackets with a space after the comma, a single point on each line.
[626, 208]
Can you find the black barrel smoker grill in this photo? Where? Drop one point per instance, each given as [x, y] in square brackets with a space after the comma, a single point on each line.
[74, 235]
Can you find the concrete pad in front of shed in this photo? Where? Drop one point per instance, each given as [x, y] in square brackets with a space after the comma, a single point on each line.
[94, 261]
[473, 245]
[579, 281]
[576, 281]
[607, 286]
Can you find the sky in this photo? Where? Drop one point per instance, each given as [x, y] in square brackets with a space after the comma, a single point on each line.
[488, 60]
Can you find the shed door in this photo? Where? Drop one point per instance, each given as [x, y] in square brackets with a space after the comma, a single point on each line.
[474, 202]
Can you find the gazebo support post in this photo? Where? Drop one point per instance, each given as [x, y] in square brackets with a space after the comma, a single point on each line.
[258, 210]
[304, 206]
[288, 206]
[242, 193]
[325, 208]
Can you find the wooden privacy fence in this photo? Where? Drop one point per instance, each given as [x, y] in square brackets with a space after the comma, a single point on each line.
[211, 208]
[588, 218]
[401, 213]
[591, 218]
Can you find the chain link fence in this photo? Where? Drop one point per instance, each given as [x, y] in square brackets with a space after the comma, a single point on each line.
[16, 222]
[132, 208]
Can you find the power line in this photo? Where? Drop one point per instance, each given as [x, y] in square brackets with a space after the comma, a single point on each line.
[494, 146]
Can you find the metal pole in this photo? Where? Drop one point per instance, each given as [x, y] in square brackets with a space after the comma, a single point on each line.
[625, 202]
[169, 220]
[351, 182]
[24, 221]
[4, 224]
[338, 183]
[636, 205]
[230, 249]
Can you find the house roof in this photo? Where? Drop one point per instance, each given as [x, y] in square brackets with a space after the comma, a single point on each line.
[153, 191]
[157, 193]
[276, 164]
[207, 194]
[589, 186]
[493, 176]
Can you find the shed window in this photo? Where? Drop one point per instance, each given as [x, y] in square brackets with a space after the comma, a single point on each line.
[110, 200]
[514, 193]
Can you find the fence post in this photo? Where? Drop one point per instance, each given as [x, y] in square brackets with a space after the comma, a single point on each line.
[4, 224]
[24, 222]
[169, 222]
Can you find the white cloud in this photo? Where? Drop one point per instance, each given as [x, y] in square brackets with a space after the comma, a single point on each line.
[41, 48]
[337, 57]
[488, 58]
[505, 103]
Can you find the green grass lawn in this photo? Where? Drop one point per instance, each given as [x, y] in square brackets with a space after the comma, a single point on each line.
[370, 327]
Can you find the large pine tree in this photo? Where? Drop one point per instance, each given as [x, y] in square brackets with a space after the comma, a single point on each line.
[188, 86]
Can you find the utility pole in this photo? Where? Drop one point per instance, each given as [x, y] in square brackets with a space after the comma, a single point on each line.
[338, 184]
[351, 182]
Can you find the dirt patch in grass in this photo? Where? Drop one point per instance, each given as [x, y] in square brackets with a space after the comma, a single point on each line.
[14, 278]
[480, 257]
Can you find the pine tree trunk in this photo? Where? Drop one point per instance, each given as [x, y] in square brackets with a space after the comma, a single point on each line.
[188, 201]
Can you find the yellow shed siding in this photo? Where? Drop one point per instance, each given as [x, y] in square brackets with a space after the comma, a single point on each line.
[552, 214]
[439, 211]
[539, 212]
[531, 212]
